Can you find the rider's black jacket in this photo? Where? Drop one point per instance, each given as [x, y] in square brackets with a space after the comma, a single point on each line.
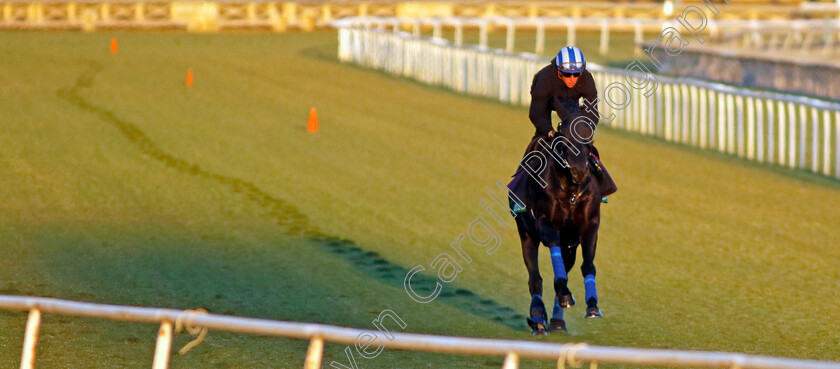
[548, 92]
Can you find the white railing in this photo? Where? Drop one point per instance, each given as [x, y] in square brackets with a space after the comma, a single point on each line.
[511, 25]
[317, 334]
[766, 127]
[604, 26]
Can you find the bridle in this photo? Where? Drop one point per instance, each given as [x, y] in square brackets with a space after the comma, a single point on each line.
[577, 194]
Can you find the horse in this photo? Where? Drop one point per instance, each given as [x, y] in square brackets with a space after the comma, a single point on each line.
[564, 202]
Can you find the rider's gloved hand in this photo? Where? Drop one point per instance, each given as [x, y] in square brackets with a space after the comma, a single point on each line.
[551, 133]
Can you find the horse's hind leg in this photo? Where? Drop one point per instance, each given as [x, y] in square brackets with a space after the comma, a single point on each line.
[589, 243]
[557, 322]
[530, 252]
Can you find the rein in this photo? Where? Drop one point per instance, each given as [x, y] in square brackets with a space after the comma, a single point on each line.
[575, 196]
[578, 193]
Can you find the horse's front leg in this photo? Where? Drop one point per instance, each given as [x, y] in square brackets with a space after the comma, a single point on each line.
[562, 260]
[530, 252]
[589, 242]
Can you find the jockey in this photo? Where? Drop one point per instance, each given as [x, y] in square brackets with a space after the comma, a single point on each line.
[559, 86]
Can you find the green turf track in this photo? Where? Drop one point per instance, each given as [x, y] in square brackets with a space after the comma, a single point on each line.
[121, 185]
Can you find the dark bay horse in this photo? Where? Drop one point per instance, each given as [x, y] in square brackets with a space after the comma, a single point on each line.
[564, 202]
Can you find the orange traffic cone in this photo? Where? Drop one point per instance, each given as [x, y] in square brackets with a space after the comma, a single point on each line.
[189, 81]
[312, 125]
[114, 46]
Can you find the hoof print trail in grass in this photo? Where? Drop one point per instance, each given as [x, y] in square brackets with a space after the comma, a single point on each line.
[287, 216]
[373, 265]
[292, 220]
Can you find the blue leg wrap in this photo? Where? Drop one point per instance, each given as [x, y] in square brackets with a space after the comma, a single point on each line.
[536, 302]
[559, 272]
[557, 262]
[558, 311]
[589, 283]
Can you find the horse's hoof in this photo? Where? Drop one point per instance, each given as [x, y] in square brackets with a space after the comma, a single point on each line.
[593, 312]
[557, 325]
[566, 301]
[537, 326]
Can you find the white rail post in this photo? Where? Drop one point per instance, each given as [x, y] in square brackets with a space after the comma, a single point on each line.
[803, 128]
[660, 107]
[643, 112]
[605, 38]
[570, 32]
[539, 48]
[739, 138]
[791, 135]
[459, 33]
[695, 115]
[837, 144]
[730, 124]
[751, 128]
[437, 31]
[826, 143]
[163, 346]
[640, 110]
[669, 100]
[782, 135]
[755, 36]
[704, 121]
[632, 110]
[509, 40]
[314, 354]
[714, 29]
[511, 361]
[627, 123]
[721, 123]
[759, 130]
[482, 34]
[712, 119]
[815, 140]
[638, 38]
[651, 119]
[686, 116]
[679, 106]
[675, 112]
[30, 340]
[771, 133]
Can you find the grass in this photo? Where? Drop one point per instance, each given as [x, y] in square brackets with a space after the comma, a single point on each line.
[123, 186]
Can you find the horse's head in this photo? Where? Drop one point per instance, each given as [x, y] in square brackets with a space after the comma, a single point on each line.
[578, 135]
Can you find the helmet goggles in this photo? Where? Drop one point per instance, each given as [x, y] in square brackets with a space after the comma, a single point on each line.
[570, 61]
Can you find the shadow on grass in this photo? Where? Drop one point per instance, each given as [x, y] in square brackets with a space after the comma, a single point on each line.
[291, 220]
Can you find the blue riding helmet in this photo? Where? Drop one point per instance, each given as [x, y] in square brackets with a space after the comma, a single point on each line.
[570, 60]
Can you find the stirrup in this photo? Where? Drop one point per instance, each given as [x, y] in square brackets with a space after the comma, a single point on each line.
[604, 200]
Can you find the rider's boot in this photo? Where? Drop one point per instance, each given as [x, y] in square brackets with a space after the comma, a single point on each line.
[605, 181]
[518, 187]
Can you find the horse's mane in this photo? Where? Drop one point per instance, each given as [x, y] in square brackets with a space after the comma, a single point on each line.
[581, 130]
